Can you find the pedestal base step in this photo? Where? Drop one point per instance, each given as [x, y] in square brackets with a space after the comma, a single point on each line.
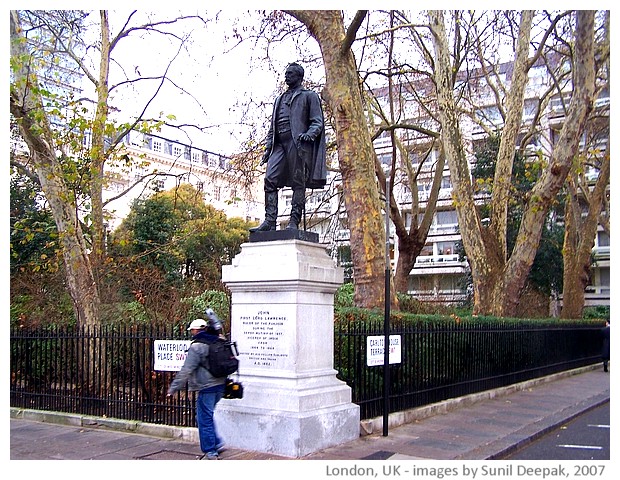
[271, 235]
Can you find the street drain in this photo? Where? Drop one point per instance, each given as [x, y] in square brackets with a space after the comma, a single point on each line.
[380, 455]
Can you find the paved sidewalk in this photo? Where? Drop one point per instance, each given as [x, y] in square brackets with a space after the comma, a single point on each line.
[489, 426]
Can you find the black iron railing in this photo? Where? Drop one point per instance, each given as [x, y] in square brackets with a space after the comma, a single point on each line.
[108, 371]
[102, 371]
[446, 359]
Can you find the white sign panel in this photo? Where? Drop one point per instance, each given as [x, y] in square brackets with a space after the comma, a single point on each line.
[267, 337]
[375, 350]
[170, 355]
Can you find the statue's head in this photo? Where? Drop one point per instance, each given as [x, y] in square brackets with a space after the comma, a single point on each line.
[294, 75]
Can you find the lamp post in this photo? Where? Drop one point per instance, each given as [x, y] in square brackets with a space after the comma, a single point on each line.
[386, 317]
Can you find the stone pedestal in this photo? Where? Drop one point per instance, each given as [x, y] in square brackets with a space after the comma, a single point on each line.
[282, 321]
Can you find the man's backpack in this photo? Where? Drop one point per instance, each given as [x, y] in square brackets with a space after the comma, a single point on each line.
[222, 360]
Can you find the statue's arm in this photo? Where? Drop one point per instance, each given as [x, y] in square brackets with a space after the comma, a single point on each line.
[315, 116]
[268, 140]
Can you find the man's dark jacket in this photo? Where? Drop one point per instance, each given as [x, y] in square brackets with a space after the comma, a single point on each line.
[306, 117]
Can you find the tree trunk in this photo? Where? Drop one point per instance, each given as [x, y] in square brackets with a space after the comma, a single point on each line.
[498, 283]
[576, 274]
[408, 251]
[355, 154]
[97, 151]
[27, 108]
[505, 157]
[562, 157]
[579, 238]
[411, 241]
[462, 191]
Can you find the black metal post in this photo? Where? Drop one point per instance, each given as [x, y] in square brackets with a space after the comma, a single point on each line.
[386, 318]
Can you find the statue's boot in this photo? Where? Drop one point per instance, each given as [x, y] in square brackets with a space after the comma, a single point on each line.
[271, 213]
[297, 207]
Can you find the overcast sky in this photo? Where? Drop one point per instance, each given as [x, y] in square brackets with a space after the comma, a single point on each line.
[216, 79]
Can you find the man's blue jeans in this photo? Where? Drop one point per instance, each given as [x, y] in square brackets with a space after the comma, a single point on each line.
[205, 406]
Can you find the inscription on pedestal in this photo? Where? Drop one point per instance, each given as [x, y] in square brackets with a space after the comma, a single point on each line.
[263, 343]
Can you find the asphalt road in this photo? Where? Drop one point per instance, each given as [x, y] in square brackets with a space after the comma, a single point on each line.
[586, 437]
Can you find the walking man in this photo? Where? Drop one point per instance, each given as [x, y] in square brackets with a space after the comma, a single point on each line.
[295, 149]
[605, 347]
[210, 389]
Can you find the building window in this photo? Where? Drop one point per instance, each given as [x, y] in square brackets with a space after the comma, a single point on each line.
[445, 248]
[603, 239]
[530, 107]
[177, 151]
[490, 116]
[195, 156]
[157, 185]
[604, 277]
[385, 159]
[427, 251]
[446, 217]
[157, 145]
[86, 139]
[557, 104]
[448, 284]
[137, 139]
[422, 283]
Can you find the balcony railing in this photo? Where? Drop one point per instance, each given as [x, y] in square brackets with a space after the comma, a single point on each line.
[422, 260]
[601, 252]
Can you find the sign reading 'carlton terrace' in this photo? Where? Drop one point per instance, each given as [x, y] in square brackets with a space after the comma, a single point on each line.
[375, 351]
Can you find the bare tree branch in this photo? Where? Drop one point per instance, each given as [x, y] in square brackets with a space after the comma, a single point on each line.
[352, 31]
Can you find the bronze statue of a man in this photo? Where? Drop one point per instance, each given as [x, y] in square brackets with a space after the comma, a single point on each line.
[295, 149]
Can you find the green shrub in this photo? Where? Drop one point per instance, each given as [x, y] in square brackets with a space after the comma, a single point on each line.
[599, 312]
[344, 296]
[31, 311]
[217, 300]
[124, 313]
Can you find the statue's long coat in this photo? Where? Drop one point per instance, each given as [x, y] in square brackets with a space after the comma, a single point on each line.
[306, 117]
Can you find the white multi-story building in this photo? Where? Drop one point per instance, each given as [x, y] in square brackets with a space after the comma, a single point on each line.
[159, 164]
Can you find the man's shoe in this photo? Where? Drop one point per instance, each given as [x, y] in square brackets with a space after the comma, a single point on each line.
[264, 227]
[297, 208]
[210, 456]
[271, 213]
